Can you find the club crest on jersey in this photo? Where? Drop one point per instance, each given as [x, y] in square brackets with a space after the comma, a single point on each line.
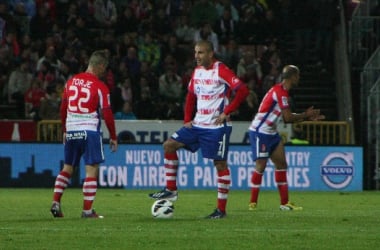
[285, 100]
[235, 80]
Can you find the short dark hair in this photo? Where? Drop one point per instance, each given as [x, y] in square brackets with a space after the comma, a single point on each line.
[289, 71]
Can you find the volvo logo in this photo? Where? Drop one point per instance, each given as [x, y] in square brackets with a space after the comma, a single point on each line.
[337, 169]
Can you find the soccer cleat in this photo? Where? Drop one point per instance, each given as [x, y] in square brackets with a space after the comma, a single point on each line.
[165, 194]
[93, 215]
[289, 207]
[252, 206]
[217, 214]
[56, 210]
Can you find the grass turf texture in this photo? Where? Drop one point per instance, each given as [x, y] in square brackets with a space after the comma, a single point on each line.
[330, 220]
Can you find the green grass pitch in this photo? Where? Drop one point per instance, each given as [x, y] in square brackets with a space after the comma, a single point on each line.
[330, 220]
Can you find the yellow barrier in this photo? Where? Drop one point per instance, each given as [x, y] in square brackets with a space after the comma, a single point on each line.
[326, 132]
[49, 131]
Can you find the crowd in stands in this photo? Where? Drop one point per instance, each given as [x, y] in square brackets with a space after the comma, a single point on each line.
[150, 46]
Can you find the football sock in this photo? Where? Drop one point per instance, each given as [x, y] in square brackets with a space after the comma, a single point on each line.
[224, 181]
[90, 186]
[60, 184]
[171, 167]
[282, 185]
[256, 182]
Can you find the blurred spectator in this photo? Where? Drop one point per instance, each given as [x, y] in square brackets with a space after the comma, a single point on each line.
[127, 23]
[26, 6]
[179, 53]
[225, 27]
[230, 54]
[223, 5]
[205, 32]
[248, 27]
[126, 113]
[132, 62]
[249, 66]
[125, 41]
[151, 78]
[50, 7]
[22, 16]
[51, 57]
[33, 97]
[270, 27]
[170, 86]
[46, 74]
[40, 25]
[271, 79]
[122, 93]
[11, 44]
[50, 105]
[270, 59]
[149, 51]
[19, 82]
[184, 31]
[144, 107]
[7, 21]
[105, 13]
[162, 24]
[141, 8]
[203, 11]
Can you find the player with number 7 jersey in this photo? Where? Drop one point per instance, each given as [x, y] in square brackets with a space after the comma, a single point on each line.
[85, 101]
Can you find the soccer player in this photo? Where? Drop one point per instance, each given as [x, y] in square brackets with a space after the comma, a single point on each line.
[266, 141]
[209, 92]
[85, 100]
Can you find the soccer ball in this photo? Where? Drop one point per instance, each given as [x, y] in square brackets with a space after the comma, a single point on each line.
[162, 209]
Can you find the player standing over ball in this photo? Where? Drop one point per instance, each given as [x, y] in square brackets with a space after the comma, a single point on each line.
[209, 91]
[85, 99]
[265, 140]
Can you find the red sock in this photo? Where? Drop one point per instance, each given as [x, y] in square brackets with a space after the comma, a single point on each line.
[90, 186]
[224, 181]
[256, 182]
[282, 185]
[171, 166]
[60, 184]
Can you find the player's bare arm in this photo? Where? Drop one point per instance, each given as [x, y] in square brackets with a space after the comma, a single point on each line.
[310, 114]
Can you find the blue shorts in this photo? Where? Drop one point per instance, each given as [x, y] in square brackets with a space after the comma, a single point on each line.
[83, 143]
[212, 142]
[263, 145]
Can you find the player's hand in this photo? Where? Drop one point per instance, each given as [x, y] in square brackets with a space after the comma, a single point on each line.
[317, 118]
[113, 145]
[64, 138]
[314, 114]
[188, 125]
[221, 118]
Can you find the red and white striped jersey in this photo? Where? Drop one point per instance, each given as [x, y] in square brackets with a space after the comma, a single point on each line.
[267, 117]
[84, 96]
[212, 87]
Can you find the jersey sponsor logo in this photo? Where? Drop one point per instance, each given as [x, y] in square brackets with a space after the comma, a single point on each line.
[78, 135]
[284, 100]
[337, 169]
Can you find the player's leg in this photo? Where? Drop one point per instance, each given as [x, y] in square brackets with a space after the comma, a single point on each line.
[214, 144]
[60, 184]
[184, 137]
[93, 155]
[260, 146]
[72, 154]
[279, 160]
[256, 179]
